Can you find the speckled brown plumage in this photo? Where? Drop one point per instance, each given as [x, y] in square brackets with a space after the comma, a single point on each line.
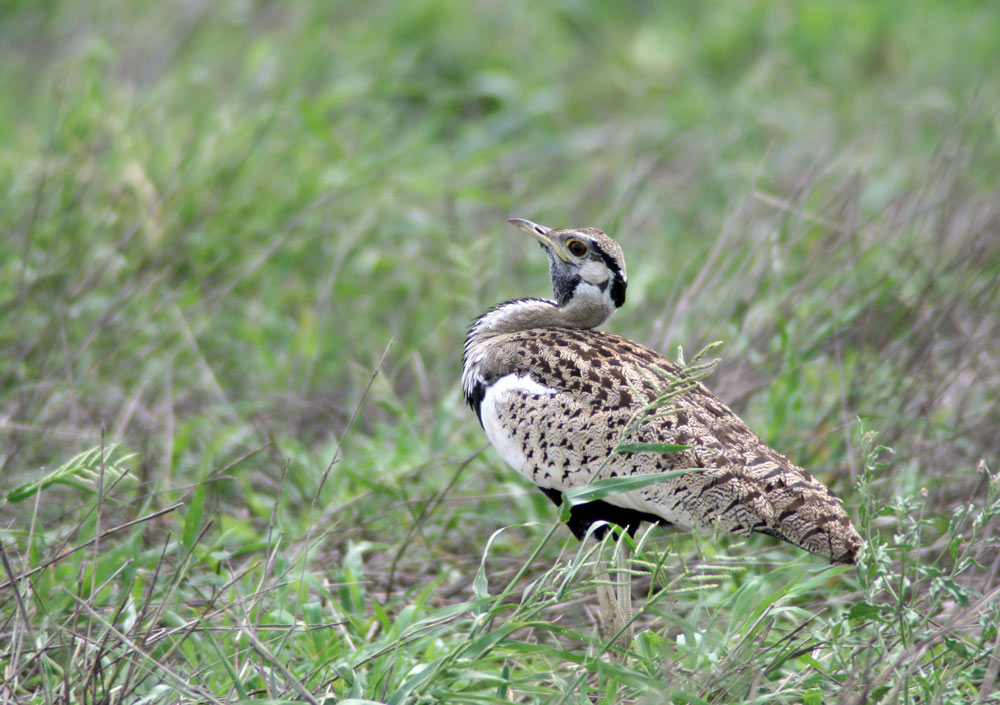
[560, 397]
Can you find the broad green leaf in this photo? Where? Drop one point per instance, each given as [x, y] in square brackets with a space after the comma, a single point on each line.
[600, 489]
[662, 448]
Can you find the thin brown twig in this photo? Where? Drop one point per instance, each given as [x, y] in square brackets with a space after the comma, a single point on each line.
[158, 665]
[354, 417]
[113, 530]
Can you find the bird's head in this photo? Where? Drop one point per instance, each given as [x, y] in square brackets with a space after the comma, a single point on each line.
[587, 269]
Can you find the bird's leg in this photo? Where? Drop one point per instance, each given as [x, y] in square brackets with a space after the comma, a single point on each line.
[623, 580]
[614, 594]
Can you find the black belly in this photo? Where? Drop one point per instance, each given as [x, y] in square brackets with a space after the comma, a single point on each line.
[583, 515]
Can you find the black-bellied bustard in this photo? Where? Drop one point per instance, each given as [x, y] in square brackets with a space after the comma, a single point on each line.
[555, 395]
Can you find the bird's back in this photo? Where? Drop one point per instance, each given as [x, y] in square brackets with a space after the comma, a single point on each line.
[556, 402]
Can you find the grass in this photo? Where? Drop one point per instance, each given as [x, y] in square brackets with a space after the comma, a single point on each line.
[241, 245]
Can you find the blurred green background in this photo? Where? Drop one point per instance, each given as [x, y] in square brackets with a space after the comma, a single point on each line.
[217, 216]
[232, 207]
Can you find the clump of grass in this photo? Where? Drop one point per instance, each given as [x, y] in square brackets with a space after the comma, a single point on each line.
[927, 628]
[150, 623]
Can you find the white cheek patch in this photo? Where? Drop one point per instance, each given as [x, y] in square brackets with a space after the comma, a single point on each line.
[594, 273]
[497, 395]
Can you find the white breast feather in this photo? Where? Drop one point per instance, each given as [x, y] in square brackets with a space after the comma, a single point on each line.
[497, 394]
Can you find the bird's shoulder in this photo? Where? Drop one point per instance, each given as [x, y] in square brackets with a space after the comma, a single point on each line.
[582, 362]
[612, 377]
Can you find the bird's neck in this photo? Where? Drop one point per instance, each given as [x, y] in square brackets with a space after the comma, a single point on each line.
[508, 317]
[525, 314]
[514, 316]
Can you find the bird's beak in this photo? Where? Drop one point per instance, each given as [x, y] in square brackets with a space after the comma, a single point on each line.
[540, 233]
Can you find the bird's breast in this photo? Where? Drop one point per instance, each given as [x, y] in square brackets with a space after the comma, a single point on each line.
[511, 406]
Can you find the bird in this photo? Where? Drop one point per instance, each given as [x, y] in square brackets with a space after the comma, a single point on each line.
[557, 397]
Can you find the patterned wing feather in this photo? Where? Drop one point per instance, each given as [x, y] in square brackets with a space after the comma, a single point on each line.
[588, 390]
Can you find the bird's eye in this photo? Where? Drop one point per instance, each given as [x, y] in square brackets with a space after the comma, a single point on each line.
[577, 248]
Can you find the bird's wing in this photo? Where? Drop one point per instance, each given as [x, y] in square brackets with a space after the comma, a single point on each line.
[560, 401]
